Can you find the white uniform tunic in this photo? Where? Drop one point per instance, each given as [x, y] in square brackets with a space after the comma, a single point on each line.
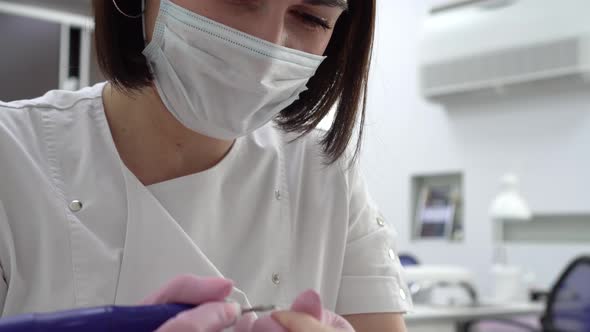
[78, 229]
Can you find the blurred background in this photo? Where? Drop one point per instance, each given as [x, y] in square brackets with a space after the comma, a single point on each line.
[477, 146]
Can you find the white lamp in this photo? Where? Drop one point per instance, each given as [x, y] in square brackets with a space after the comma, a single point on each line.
[509, 204]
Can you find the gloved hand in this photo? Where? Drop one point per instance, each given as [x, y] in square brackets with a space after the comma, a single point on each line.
[306, 315]
[212, 314]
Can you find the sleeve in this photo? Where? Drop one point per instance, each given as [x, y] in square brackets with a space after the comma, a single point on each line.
[372, 277]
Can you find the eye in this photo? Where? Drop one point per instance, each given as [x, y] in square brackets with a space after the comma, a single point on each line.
[313, 21]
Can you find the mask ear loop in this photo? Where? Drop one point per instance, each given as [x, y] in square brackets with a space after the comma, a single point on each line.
[140, 15]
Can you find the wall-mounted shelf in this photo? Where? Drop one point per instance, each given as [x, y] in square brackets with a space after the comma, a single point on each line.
[549, 229]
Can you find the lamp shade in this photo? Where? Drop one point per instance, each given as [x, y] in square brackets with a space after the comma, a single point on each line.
[509, 204]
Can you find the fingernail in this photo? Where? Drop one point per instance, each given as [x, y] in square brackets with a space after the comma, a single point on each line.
[233, 310]
[223, 285]
[308, 302]
[277, 315]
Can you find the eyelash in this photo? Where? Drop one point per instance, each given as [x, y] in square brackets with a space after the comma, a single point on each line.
[310, 20]
[313, 21]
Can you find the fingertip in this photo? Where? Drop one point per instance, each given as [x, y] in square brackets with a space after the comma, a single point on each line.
[233, 311]
[278, 315]
[295, 321]
[308, 302]
[227, 289]
[312, 296]
[218, 283]
[245, 322]
[214, 316]
[282, 317]
[207, 289]
[268, 323]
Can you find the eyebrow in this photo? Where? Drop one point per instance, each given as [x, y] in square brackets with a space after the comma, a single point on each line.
[343, 4]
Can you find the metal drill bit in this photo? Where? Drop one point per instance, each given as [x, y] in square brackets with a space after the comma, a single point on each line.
[260, 308]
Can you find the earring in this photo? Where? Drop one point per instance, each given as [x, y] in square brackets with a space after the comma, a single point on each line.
[125, 14]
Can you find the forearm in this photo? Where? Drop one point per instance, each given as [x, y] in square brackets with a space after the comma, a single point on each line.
[377, 322]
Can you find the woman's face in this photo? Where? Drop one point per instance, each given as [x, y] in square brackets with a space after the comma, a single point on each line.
[305, 25]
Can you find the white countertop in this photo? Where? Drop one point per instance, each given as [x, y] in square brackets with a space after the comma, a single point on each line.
[70, 12]
[427, 313]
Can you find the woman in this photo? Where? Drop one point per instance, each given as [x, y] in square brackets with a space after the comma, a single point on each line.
[199, 157]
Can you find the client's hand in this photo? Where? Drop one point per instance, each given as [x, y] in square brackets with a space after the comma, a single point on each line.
[212, 314]
[306, 315]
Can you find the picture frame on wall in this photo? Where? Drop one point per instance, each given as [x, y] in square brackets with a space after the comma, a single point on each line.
[436, 212]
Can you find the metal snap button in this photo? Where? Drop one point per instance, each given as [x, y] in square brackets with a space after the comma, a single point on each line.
[76, 206]
[276, 279]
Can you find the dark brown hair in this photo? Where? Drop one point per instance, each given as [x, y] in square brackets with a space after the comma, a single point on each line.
[342, 78]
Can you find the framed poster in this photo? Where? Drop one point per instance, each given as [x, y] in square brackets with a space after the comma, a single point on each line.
[436, 208]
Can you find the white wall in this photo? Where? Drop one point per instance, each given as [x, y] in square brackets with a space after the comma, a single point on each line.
[541, 132]
[29, 57]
